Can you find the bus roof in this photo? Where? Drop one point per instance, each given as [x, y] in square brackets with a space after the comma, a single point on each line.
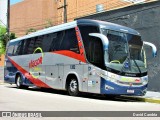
[108, 25]
[48, 30]
[102, 24]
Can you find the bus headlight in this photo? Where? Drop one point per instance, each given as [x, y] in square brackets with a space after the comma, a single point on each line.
[145, 80]
[110, 77]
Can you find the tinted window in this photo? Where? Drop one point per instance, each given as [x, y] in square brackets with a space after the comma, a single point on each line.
[31, 44]
[95, 53]
[87, 40]
[63, 40]
[25, 47]
[70, 41]
[18, 47]
[57, 40]
[38, 43]
[48, 41]
[10, 49]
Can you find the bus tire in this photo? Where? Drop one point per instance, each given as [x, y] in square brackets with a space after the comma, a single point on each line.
[19, 83]
[72, 87]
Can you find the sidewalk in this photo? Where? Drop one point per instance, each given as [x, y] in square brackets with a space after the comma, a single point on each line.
[152, 97]
[1, 82]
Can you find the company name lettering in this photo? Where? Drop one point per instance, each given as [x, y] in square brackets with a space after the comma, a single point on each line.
[34, 63]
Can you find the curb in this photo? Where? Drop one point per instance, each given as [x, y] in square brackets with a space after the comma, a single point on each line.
[1, 82]
[143, 99]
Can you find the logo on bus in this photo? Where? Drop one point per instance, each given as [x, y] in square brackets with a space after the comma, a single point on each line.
[34, 67]
[35, 63]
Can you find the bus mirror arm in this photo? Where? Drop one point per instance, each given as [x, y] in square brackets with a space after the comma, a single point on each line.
[154, 49]
[103, 38]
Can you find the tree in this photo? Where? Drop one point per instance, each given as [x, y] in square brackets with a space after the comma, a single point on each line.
[4, 38]
[2, 34]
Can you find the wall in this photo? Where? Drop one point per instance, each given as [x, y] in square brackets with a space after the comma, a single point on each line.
[38, 13]
[29, 14]
[144, 18]
[79, 8]
[2, 60]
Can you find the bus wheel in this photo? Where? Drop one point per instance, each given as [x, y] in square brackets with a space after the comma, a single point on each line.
[19, 83]
[72, 87]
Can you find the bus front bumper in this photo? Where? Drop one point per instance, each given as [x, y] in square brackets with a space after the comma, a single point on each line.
[108, 87]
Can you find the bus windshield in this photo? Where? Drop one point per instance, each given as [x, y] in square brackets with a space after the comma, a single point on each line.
[125, 52]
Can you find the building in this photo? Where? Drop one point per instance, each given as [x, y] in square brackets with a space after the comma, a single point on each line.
[33, 15]
[2, 60]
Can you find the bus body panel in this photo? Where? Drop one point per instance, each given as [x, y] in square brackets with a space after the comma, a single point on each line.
[51, 69]
[108, 87]
[54, 74]
[53, 65]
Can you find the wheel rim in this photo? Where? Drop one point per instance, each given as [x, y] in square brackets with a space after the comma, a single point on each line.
[73, 85]
[18, 81]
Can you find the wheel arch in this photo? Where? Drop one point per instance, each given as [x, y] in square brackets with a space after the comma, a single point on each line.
[18, 74]
[72, 74]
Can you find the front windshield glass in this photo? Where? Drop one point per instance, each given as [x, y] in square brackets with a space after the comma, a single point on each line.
[136, 53]
[124, 52]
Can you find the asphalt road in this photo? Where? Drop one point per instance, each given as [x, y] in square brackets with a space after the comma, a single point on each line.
[13, 99]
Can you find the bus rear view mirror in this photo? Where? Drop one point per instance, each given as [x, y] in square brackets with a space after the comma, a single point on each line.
[104, 39]
[154, 49]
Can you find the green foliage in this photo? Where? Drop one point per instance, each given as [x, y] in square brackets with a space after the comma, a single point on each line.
[2, 30]
[2, 33]
[48, 23]
[30, 31]
[4, 38]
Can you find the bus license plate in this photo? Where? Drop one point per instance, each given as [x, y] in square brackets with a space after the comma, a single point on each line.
[130, 91]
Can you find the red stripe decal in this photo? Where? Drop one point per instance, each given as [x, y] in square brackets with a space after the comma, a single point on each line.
[71, 54]
[81, 56]
[35, 81]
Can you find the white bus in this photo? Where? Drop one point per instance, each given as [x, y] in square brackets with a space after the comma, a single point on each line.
[81, 56]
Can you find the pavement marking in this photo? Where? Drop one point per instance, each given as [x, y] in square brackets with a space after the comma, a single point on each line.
[143, 99]
[152, 100]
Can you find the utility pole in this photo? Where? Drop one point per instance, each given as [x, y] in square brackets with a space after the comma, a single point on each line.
[8, 19]
[65, 11]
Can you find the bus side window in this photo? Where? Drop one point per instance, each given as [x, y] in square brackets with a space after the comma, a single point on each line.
[25, 46]
[48, 40]
[85, 30]
[57, 41]
[38, 44]
[70, 41]
[18, 48]
[96, 52]
[30, 48]
[10, 50]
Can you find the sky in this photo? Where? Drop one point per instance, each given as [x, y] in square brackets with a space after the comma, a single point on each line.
[14, 1]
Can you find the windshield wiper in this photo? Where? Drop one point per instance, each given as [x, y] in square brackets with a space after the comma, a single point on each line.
[137, 66]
